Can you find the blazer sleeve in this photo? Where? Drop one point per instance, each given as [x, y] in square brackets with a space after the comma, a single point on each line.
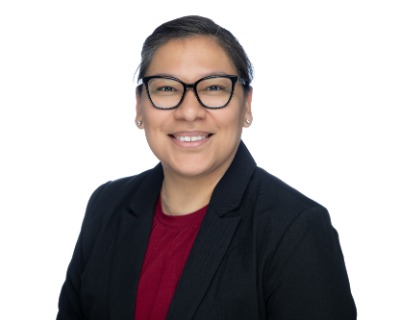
[308, 278]
[69, 306]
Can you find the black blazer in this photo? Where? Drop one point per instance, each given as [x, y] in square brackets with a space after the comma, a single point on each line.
[263, 251]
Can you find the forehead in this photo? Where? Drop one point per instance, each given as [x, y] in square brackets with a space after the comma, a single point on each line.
[191, 57]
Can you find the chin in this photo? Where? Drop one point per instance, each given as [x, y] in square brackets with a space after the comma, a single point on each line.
[185, 168]
[191, 171]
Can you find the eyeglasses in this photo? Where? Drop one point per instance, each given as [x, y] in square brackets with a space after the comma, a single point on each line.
[212, 92]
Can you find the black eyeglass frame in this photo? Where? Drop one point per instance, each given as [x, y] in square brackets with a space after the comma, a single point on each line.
[233, 78]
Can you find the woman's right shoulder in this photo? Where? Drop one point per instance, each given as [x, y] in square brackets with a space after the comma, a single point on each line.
[119, 190]
[109, 201]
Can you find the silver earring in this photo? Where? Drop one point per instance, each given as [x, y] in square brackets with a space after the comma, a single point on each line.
[139, 123]
[248, 121]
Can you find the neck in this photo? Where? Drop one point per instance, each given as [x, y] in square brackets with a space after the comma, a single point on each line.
[181, 196]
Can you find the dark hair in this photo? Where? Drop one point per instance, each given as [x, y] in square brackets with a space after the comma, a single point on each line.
[191, 26]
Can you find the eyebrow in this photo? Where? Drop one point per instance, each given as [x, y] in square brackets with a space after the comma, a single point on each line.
[218, 73]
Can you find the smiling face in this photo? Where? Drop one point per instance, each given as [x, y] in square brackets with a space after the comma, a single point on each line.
[192, 141]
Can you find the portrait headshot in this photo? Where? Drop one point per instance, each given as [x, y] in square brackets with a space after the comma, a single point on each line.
[201, 162]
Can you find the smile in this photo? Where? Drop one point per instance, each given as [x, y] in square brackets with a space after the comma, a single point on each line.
[190, 138]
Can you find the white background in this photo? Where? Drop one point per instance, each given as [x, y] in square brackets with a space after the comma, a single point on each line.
[326, 120]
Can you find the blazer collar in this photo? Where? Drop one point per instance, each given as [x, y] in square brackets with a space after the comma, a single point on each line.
[229, 191]
[144, 200]
[227, 194]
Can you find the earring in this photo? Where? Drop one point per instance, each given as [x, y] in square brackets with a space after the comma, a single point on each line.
[248, 121]
[139, 123]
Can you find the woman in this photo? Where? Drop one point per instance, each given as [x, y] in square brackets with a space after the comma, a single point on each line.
[206, 234]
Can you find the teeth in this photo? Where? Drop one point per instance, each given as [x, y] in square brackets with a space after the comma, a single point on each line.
[190, 139]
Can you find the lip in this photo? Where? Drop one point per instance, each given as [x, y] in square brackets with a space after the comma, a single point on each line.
[190, 139]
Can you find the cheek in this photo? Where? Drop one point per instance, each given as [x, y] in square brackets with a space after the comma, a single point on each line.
[232, 118]
[155, 123]
[151, 116]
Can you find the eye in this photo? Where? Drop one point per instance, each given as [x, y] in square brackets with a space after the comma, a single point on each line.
[163, 87]
[214, 88]
[166, 89]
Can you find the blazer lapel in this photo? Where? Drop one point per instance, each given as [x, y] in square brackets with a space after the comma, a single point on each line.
[214, 237]
[134, 231]
[208, 250]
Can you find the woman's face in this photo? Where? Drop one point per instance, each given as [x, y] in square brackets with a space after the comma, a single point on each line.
[192, 141]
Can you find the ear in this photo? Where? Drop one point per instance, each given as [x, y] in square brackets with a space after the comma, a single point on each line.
[248, 116]
[139, 115]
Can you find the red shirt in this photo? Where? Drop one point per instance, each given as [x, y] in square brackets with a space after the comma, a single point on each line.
[170, 242]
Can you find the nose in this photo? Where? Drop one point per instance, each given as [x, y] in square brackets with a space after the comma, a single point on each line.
[190, 108]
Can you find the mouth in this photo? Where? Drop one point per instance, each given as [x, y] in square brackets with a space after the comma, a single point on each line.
[190, 137]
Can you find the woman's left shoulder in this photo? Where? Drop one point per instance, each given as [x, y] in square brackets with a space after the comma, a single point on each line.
[279, 192]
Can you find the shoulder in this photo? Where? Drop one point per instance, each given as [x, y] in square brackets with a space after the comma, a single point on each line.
[111, 199]
[121, 190]
[277, 192]
[114, 195]
[278, 206]
[284, 217]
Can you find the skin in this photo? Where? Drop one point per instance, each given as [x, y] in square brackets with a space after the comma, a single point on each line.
[192, 169]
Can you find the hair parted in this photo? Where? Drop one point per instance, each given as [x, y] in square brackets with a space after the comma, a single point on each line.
[194, 25]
